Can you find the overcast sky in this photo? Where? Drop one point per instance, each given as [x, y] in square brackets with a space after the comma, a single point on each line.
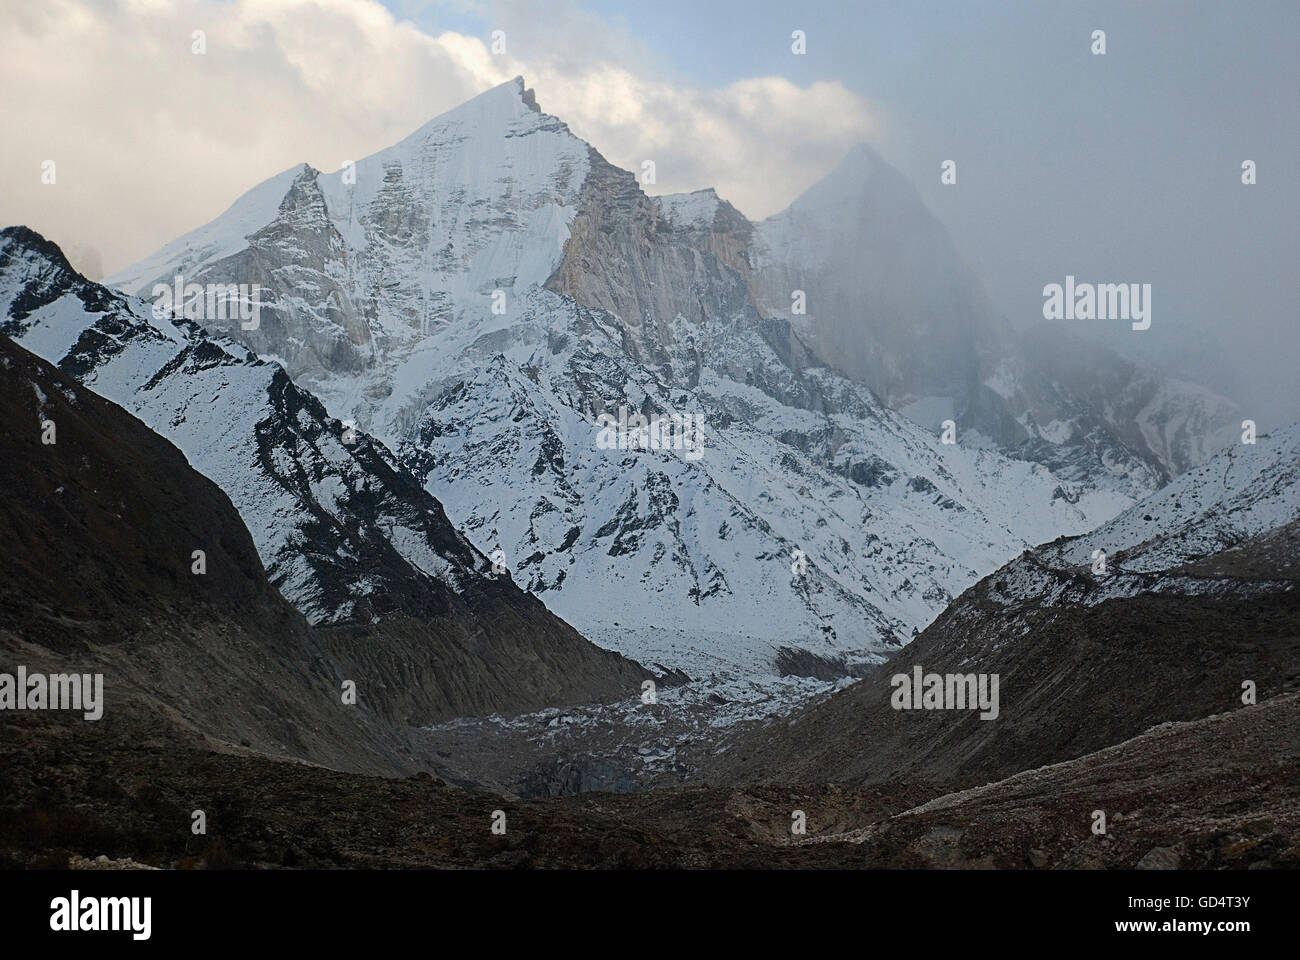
[1122, 167]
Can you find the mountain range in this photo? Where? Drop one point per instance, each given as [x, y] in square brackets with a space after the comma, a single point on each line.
[479, 294]
[523, 483]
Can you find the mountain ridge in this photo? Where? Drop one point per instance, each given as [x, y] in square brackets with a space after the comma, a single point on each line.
[344, 532]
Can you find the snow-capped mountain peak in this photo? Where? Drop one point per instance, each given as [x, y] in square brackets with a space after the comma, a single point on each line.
[478, 295]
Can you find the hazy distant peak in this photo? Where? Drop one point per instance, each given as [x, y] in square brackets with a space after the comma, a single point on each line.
[859, 174]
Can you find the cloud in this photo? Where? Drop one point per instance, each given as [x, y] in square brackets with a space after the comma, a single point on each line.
[760, 142]
[151, 139]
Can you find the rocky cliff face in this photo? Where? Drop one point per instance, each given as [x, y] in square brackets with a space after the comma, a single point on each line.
[653, 261]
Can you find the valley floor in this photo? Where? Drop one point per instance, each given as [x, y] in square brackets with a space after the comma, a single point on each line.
[1221, 792]
[621, 747]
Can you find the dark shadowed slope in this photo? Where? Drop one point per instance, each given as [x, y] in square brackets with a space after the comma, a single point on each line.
[100, 528]
[100, 531]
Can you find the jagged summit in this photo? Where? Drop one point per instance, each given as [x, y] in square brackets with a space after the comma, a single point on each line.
[24, 236]
[493, 110]
[472, 150]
